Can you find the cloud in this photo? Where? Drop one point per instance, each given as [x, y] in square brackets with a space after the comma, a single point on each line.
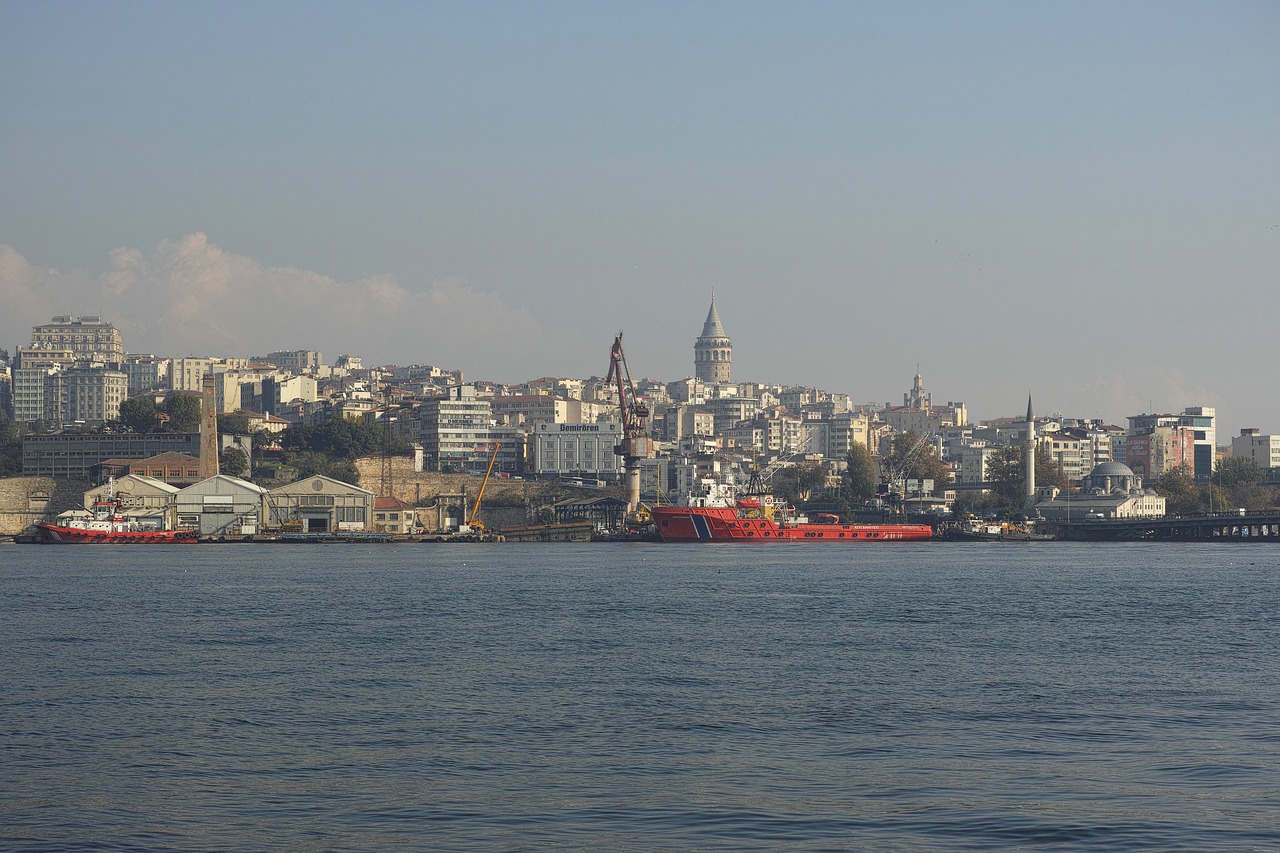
[189, 296]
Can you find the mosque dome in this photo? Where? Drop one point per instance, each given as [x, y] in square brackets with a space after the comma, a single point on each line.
[1114, 477]
[1112, 469]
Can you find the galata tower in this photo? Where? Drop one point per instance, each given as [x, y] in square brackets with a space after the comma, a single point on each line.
[713, 352]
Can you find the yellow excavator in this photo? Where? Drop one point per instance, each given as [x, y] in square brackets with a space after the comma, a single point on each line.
[474, 525]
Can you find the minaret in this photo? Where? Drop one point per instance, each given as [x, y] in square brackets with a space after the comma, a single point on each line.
[1031, 458]
[713, 352]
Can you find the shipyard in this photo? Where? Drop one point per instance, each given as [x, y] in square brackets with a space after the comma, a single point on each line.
[285, 448]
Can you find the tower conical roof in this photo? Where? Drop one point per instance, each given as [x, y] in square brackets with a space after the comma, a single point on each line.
[712, 328]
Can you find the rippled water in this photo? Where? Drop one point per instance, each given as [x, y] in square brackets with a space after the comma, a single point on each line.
[907, 697]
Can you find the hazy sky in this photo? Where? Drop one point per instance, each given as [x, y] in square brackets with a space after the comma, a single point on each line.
[1077, 199]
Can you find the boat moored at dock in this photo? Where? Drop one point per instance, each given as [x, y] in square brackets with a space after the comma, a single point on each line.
[109, 524]
[718, 516]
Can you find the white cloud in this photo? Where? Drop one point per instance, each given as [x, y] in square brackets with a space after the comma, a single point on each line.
[191, 297]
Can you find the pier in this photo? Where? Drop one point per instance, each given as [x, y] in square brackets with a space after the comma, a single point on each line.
[1217, 527]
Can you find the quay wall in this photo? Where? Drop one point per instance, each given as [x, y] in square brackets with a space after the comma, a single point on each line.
[26, 500]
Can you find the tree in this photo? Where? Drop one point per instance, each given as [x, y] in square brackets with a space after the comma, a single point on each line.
[859, 481]
[1237, 471]
[917, 459]
[233, 461]
[975, 503]
[307, 464]
[234, 424]
[1254, 496]
[139, 414]
[1182, 495]
[810, 477]
[1006, 472]
[1048, 473]
[341, 438]
[184, 413]
[785, 484]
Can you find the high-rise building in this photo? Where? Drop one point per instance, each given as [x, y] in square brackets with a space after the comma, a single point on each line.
[70, 372]
[87, 338]
[294, 361]
[92, 394]
[713, 351]
[1200, 420]
[456, 431]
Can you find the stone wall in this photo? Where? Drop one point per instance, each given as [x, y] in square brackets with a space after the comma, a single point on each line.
[411, 486]
[26, 500]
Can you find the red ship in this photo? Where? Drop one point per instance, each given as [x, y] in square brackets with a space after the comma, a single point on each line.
[716, 517]
[108, 525]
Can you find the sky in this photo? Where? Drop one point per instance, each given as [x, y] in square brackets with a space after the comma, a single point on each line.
[1076, 200]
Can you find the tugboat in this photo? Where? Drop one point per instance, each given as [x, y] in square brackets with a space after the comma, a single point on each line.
[107, 524]
[999, 531]
[719, 516]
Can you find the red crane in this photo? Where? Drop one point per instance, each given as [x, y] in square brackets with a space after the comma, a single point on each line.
[636, 441]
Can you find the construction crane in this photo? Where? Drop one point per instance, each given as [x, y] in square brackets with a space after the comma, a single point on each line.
[474, 525]
[895, 474]
[636, 441]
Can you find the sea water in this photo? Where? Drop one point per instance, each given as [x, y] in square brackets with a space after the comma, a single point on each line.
[903, 696]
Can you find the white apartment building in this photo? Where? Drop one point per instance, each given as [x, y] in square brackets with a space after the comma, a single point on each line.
[92, 394]
[973, 464]
[846, 430]
[1262, 450]
[87, 338]
[145, 372]
[1070, 450]
[456, 430]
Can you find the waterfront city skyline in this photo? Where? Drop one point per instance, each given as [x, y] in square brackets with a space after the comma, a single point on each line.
[1074, 199]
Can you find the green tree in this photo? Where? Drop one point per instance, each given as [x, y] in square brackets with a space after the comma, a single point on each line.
[797, 483]
[1254, 496]
[917, 459]
[1237, 471]
[859, 481]
[971, 502]
[1239, 482]
[1006, 472]
[183, 411]
[785, 484]
[234, 462]
[1182, 494]
[308, 463]
[140, 414]
[810, 477]
[341, 438]
[1048, 473]
[234, 424]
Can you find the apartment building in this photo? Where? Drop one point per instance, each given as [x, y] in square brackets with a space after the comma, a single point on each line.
[1262, 450]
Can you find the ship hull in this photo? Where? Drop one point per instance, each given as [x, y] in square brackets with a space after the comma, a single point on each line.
[723, 524]
[56, 534]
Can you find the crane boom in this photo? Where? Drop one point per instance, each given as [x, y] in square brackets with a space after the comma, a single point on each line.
[636, 441]
[472, 524]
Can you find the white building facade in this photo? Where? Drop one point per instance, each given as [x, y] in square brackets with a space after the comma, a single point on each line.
[1262, 450]
[578, 450]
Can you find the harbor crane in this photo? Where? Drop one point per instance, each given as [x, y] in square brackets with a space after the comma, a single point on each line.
[636, 443]
[474, 525]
